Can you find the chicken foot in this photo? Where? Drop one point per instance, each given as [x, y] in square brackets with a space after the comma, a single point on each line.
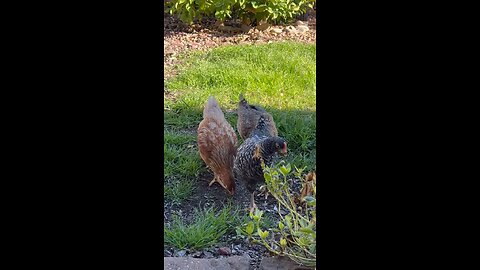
[215, 179]
[264, 190]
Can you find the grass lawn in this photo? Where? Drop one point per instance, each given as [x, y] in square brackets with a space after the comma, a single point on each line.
[280, 77]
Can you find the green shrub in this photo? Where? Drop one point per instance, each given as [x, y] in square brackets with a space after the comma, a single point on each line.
[249, 11]
[295, 235]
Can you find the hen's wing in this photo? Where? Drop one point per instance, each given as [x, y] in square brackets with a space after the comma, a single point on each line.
[245, 166]
[216, 138]
[216, 141]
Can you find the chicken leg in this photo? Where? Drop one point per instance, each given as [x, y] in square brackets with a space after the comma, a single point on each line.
[213, 181]
[253, 206]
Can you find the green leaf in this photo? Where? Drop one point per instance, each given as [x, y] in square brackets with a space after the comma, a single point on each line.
[258, 213]
[249, 228]
[280, 225]
[310, 200]
[268, 177]
[288, 220]
[262, 234]
[285, 170]
[307, 230]
[303, 241]
[303, 223]
[297, 233]
[283, 242]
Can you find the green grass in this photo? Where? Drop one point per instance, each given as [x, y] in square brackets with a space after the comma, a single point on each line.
[182, 166]
[206, 230]
[278, 76]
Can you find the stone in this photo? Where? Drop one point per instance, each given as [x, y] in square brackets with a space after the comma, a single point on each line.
[197, 254]
[224, 251]
[281, 263]
[291, 29]
[223, 263]
[277, 30]
[181, 253]
[302, 28]
[207, 254]
[297, 23]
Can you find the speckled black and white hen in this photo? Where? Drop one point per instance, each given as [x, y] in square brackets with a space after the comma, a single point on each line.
[259, 146]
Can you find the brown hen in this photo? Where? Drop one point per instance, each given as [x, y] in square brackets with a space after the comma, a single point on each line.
[217, 143]
[248, 118]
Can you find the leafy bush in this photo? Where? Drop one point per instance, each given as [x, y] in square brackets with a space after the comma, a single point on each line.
[295, 236]
[249, 11]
